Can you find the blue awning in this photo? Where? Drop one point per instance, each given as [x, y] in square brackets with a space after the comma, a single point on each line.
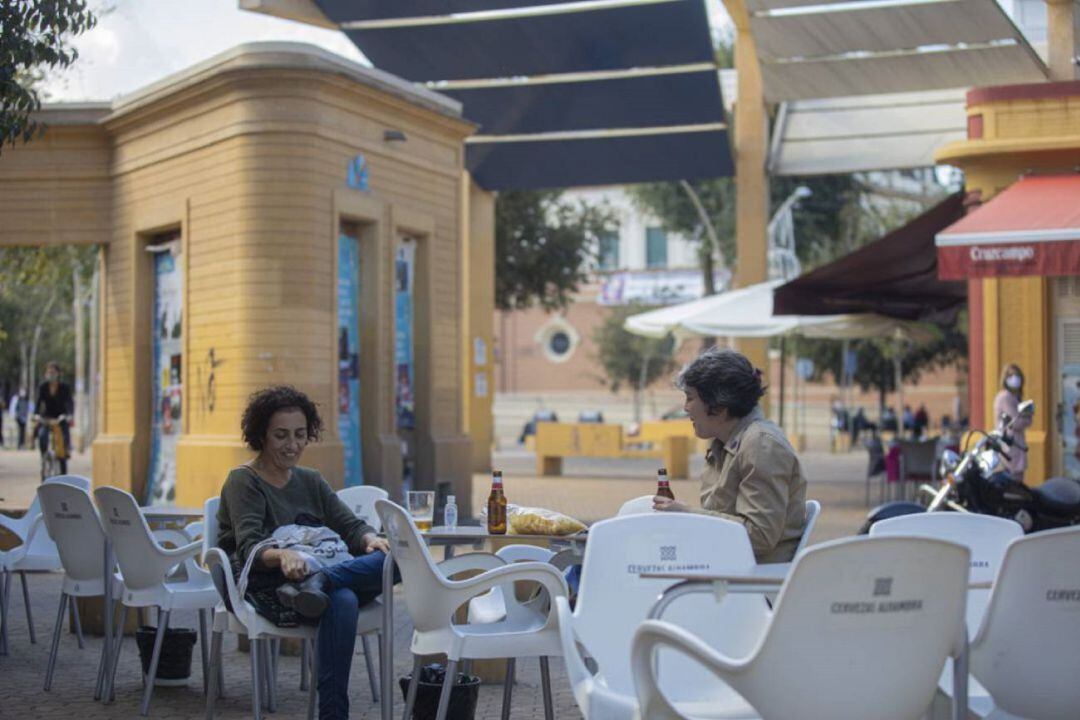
[538, 164]
[613, 38]
[646, 101]
[566, 92]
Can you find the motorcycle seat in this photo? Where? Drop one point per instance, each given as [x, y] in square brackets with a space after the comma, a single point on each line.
[1059, 495]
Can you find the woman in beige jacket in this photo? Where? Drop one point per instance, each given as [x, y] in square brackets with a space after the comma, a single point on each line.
[752, 475]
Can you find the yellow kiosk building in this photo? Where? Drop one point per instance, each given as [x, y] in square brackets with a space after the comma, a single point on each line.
[275, 214]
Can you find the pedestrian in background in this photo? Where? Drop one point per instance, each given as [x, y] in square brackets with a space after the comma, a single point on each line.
[1007, 403]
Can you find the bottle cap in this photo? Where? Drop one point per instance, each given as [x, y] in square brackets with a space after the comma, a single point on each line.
[497, 473]
[662, 471]
[450, 500]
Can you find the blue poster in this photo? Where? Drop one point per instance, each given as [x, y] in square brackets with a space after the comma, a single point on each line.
[404, 280]
[348, 294]
[166, 379]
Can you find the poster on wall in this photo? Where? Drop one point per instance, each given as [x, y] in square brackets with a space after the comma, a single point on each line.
[405, 376]
[1070, 434]
[348, 299]
[167, 379]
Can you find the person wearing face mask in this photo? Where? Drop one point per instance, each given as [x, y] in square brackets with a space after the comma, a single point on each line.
[273, 490]
[1007, 402]
[55, 405]
[752, 475]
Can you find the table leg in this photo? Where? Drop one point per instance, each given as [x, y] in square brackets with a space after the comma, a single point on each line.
[386, 662]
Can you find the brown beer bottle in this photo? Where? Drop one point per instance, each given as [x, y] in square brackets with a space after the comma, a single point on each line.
[496, 506]
[663, 489]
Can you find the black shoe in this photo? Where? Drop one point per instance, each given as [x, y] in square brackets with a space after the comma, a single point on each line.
[308, 598]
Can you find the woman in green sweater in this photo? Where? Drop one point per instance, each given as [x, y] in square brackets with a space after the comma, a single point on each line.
[272, 490]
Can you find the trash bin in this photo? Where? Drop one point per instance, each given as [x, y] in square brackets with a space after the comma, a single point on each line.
[463, 696]
[174, 665]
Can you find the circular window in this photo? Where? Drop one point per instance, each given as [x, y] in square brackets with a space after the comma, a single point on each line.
[559, 343]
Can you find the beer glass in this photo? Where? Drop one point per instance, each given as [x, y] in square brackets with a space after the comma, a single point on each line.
[422, 508]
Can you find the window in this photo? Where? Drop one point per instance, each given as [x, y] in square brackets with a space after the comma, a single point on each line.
[609, 251]
[655, 248]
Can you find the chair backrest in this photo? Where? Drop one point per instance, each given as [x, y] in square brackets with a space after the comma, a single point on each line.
[524, 553]
[813, 509]
[211, 529]
[361, 500]
[1028, 649]
[613, 599]
[862, 629]
[420, 578]
[74, 525]
[638, 506]
[41, 544]
[917, 457]
[985, 536]
[137, 553]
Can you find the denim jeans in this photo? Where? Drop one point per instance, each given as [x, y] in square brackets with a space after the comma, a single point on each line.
[353, 584]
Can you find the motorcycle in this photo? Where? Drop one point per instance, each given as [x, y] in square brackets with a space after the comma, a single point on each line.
[977, 481]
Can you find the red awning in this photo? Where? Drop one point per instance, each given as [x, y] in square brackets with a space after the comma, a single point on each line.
[1031, 228]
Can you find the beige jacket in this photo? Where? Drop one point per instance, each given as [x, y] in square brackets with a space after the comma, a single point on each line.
[756, 479]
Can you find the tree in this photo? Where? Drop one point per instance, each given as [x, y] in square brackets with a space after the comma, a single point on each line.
[34, 37]
[543, 247]
[630, 359]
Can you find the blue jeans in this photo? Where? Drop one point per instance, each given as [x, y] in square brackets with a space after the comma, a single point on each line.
[353, 584]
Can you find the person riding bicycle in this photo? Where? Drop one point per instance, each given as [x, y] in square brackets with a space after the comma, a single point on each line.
[55, 406]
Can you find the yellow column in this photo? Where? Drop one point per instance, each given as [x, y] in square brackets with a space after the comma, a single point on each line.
[751, 181]
[478, 316]
[1061, 39]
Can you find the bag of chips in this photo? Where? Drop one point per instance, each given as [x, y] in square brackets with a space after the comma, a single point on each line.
[540, 521]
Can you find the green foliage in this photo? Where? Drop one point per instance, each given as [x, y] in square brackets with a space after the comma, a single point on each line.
[33, 37]
[630, 359]
[543, 247]
[671, 204]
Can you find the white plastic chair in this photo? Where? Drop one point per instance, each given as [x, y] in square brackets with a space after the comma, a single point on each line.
[36, 553]
[813, 510]
[641, 505]
[1027, 650]
[613, 599]
[361, 500]
[149, 580]
[431, 598]
[73, 523]
[491, 606]
[241, 618]
[861, 630]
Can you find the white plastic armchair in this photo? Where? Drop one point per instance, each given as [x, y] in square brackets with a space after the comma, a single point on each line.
[613, 599]
[861, 630]
[491, 606]
[813, 510]
[145, 566]
[1028, 648]
[641, 505]
[361, 500]
[431, 599]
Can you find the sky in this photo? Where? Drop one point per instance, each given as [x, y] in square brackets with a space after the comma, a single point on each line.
[141, 41]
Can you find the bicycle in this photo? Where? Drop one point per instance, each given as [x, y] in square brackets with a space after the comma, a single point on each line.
[54, 446]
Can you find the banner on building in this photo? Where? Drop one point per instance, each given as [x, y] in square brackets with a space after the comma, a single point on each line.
[666, 287]
[348, 297]
[167, 380]
[404, 365]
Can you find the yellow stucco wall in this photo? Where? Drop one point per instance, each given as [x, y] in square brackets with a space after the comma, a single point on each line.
[1024, 129]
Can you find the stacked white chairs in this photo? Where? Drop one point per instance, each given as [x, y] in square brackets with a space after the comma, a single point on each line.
[861, 630]
[150, 579]
[73, 523]
[613, 599]
[361, 500]
[1027, 650]
[36, 553]
[431, 599]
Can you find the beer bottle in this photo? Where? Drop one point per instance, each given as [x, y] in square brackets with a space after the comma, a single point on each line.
[496, 506]
[663, 489]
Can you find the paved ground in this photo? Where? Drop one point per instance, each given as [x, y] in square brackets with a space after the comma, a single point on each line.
[591, 490]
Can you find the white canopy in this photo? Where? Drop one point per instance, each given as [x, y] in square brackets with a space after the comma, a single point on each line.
[747, 313]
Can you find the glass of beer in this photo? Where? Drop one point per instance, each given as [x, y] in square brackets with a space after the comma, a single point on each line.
[422, 508]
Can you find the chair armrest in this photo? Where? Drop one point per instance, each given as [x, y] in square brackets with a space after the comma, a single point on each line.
[178, 538]
[19, 527]
[654, 634]
[470, 561]
[194, 530]
[575, 664]
[461, 591]
[216, 558]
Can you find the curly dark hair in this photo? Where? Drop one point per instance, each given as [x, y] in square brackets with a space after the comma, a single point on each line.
[723, 379]
[263, 404]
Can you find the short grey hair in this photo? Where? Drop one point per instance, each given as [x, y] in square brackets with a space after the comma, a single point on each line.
[723, 379]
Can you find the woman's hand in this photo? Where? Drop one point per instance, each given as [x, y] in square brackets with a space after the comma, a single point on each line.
[293, 565]
[663, 504]
[373, 542]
